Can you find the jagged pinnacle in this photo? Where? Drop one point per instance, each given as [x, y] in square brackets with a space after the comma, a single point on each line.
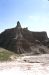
[18, 25]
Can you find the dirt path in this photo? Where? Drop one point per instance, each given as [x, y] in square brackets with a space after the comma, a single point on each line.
[24, 66]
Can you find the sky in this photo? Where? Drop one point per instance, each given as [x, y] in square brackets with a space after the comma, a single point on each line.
[33, 14]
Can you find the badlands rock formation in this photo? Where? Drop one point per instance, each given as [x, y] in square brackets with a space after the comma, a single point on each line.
[21, 40]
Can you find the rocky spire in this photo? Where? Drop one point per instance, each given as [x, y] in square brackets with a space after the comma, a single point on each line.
[18, 25]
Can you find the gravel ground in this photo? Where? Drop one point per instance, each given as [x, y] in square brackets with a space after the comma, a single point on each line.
[27, 65]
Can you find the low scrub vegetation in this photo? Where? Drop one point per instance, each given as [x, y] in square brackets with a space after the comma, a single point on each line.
[5, 54]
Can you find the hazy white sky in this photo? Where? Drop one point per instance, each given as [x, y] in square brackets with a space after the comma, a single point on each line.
[33, 14]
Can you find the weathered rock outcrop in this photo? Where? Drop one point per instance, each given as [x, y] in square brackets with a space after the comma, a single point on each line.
[21, 40]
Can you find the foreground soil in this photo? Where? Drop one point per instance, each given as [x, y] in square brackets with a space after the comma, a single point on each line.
[26, 65]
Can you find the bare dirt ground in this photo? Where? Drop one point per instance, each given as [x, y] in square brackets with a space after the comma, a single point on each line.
[26, 65]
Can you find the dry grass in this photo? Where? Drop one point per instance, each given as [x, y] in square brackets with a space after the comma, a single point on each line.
[6, 55]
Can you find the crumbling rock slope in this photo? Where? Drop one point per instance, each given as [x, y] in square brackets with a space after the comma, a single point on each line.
[21, 40]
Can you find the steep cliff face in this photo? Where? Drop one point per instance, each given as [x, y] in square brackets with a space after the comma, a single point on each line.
[20, 40]
[32, 36]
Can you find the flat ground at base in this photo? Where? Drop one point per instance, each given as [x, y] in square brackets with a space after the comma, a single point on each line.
[26, 65]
